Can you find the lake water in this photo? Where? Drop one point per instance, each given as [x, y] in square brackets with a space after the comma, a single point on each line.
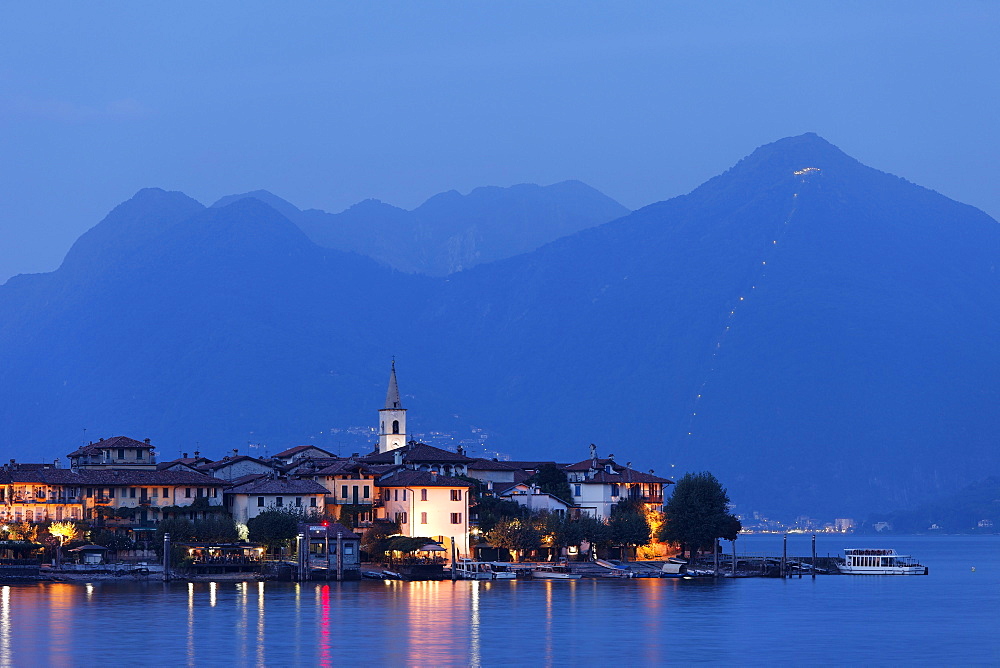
[950, 617]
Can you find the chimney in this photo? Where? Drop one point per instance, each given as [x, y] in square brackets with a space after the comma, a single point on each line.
[185, 455]
[55, 463]
[236, 452]
[146, 441]
[196, 454]
[460, 450]
[101, 441]
[397, 457]
[434, 476]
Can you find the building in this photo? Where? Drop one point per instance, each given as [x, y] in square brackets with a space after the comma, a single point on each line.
[392, 418]
[426, 503]
[237, 466]
[249, 498]
[299, 452]
[598, 485]
[332, 547]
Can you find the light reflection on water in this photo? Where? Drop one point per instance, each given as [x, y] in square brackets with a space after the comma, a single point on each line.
[948, 617]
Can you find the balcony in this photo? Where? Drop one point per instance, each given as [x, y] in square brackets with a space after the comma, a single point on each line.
[145, 502]
[102, 500]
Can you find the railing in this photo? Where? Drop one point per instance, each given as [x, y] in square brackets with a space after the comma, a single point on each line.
[102, 500]
[145, 502]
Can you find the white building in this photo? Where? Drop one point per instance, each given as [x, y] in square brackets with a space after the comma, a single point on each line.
[247, 500]
[598, 485]
[425, 503]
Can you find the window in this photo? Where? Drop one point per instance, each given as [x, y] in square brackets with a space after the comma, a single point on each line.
[395, 495]
[456, 518]
[90, 492]
[366, 492]
[349, 548]
[343, 491]
[111, 492]
[456, 495]
[166, 492]
[614, 489]
[423, 518]
[279, 501]
[138, 454]
[201, 492]
[215, 492]
[260, 501]
[312, 502]
[131, 492]
[298, 502]
[423, 495]
[404, 494]
[156, 492]
[401, 517]
[395, 426]
[187, 493]
[576, 490]
[121, 453]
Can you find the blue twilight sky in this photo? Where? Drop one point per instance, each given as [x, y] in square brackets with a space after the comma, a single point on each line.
[329, 103]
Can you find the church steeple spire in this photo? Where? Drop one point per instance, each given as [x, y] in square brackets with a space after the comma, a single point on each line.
[392, 418]
[392, 394]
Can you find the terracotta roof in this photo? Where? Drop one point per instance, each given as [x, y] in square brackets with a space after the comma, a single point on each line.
[624, 476]
[111, 477]
[108, 443]
[270, 485]
[532, 466]
[418, 453]
[587, 463]
[406, 478]
[297, 449]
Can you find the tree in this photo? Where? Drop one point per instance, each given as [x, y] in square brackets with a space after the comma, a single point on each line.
[274, 527]
[216, 529]
[552, 480]
[375, 541]
[697, 513]
[491, 510]
[515, 535]
[628, 525]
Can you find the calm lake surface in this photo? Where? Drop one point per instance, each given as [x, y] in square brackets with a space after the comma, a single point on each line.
[950, 617]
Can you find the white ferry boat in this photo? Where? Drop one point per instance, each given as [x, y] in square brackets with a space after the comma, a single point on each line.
[879, 562]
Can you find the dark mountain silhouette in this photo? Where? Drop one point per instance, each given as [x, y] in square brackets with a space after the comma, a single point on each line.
[450, 231]
[820, 335]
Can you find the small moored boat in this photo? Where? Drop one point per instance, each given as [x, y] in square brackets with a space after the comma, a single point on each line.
[554, 573]
[879, 562]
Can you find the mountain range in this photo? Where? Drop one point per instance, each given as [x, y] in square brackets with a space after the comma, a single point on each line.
[821, 335]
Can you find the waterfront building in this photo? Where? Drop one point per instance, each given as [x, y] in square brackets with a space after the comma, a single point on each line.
[250, 497]
[599, 484]
[426, 503]
[300, 452]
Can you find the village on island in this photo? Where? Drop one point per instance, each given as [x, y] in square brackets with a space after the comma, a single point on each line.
[408, 510]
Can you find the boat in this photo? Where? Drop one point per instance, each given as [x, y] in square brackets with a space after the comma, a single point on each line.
[674, 568]
[554, 573]
[502, 571]
[879, 562]
[473, 570]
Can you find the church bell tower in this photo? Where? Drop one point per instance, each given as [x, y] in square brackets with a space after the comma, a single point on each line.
[392, 418]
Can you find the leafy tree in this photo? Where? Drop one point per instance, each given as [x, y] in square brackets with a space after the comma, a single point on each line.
[593, 530]
[111, 540]
[697, 513]
[180, 530]
[552, 480]
[518, 536]
[274, 527]
[375, 541]
[216, 529]
[628, 525]
[492, 510]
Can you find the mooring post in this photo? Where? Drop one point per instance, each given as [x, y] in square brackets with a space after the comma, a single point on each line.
[302, 559]
[813, 566]
[340, 556]
[784, 556]
[715, 556]
[454, 554]
[734, 557]
[166, 557]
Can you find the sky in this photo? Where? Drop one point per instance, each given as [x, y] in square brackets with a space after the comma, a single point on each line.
[326, 104]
